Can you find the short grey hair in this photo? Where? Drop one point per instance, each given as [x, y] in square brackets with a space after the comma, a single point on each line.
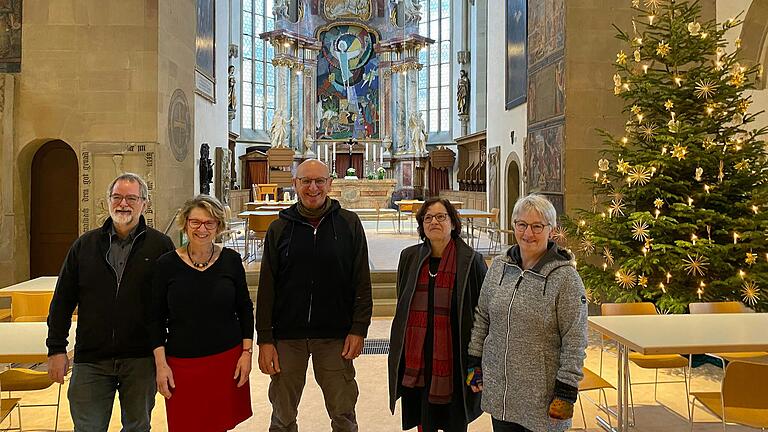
[132, 178]
[207, 203]
[537, 203]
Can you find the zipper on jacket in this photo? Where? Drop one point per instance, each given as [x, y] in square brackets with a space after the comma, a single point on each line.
[114, 271]
[506, 345]
[312, 283]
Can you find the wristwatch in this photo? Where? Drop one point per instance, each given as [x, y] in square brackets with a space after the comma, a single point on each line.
[250, 350]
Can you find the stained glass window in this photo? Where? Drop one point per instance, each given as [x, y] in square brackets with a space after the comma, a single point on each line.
[435, 78]
[258, 76]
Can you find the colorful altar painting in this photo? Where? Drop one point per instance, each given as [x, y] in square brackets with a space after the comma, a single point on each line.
[543, 159]
[347, 85]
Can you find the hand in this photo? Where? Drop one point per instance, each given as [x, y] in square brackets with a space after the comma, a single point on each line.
[560, 409]
[268, 361]
[57, 367]
[164, 379]
[353, 346]
[243, 368]
[475, 379]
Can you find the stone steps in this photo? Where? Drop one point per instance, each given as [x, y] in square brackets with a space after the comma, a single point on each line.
[383, 290]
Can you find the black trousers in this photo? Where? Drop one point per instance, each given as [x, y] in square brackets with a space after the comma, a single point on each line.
[502, 426]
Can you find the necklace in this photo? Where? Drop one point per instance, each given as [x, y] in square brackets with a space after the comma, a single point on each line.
[432, 275]
[201, 265]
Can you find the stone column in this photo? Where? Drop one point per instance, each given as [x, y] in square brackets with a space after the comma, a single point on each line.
[385, 102]
[294, 76]
[400, 140]
[310, 102]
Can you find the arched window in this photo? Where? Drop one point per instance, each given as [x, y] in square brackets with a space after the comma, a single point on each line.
[258, 80]
[435, 76]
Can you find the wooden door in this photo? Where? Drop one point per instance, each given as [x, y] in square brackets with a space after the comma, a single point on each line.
[53, 207]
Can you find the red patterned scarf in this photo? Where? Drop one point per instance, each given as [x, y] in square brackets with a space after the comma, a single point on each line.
[441, 387]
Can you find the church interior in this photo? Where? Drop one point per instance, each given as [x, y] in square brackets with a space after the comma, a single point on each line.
[480, 102]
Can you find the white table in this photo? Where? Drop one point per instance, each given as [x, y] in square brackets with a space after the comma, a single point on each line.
[471, 215]
[37, 285]
[24, 342]
[677, 334]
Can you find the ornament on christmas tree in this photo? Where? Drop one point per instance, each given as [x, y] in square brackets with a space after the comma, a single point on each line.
[635, 3]
[622, 167]
[669, 104]
[608, 255]
[643, 281]
[751, 258]
[603, 164]
[679, 151]
[658, 203]
[587, 246]
[560, 235]
[640, 231]
[705, 89]
[639, 175]
[694, 28]
[663, 49]
[750, 293]
[637, 56]
[652, 4]
[744, 164]
[616, 208]
[621, 58]
[699, 172]
[696, 265]
[737, 43]
[626, 278]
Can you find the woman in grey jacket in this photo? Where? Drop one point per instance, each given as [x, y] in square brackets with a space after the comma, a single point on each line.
[530, 329]
[438, 285]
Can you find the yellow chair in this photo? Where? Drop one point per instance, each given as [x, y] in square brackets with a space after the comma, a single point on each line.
[257, 227]
[19, 380]
[415, 207]
[492, 230]
[593, 381]
[383, 214]
[743, 399]
[6, 407]
[5, 313]
[266, 189]
[647, 361]
[30, 304]
[726, 307]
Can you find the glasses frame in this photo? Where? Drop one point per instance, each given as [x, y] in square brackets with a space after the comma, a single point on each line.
[428, 218]
[309, 181]
[130, 199]
[527, 225]
[192, 222]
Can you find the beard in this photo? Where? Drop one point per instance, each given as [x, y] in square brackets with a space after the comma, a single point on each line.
[122, 218]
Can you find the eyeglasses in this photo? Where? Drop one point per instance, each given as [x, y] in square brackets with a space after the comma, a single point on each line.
[440, 217]
[537, 228]
[130, 199]
[320, 181]
[209, 225]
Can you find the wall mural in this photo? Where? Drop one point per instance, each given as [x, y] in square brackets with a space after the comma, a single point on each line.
[347, 84]
[543, 159]
[10, 36]
[337, 9]
[546, 29]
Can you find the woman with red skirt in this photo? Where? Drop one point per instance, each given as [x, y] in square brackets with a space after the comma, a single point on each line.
[201, 326]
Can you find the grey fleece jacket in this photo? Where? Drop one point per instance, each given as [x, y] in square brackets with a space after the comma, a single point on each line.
[530, 330]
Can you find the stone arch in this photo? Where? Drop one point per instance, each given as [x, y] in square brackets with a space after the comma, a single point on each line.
[513, 189]
[754, 38]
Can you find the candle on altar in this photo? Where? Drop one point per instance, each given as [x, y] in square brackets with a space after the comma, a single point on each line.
[381, 155]
[333, 161]
[366, 158]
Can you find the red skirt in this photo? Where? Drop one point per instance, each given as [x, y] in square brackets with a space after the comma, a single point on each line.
[206, 397]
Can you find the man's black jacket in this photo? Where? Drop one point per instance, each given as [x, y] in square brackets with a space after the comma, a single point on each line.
[314, 282]
[111, 316]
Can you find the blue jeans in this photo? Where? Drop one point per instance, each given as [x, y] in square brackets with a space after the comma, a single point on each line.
[92, 389]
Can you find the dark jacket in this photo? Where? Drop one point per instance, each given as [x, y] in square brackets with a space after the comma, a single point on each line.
[470, 272]
[314, 283]
[111, 316]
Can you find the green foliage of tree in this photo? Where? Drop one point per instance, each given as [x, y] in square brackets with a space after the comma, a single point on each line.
[680, 209]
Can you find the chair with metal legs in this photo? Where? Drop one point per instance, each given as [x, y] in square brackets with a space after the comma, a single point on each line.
[18, 380]
[593, 381]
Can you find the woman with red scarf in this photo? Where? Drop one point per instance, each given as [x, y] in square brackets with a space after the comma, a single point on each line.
[438, 285]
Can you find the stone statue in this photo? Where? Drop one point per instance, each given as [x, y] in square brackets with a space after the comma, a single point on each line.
[418, 133]
[411, 10]
[462, 94]
[277, 129]
[280, 9]
[206, 169]
[231, 91]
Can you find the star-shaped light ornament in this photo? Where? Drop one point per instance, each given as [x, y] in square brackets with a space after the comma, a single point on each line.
[608, 255]
[663, 49]
[647, 131]
[694, 28]
[751, 258]
[658, 203]
[603, 164]
[696, 265]
[750, 293]
[635, 3]
[640, 231]
[639, 175]
[669, 104]
[621, 58]
[626, 278]
[616, 208]
[587, 245]
[744, 105]
[698, 174]
[622, 167]
[705, 89]
[738, 78]
[740, 166]
[643, 281]
[635, 110]
[679, 151]
[707, 143]
[560, 235]
[652, 4]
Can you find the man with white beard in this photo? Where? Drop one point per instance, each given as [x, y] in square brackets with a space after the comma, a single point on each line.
[107, 275]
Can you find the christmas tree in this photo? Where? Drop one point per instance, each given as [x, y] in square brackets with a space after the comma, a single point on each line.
[679, 211]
